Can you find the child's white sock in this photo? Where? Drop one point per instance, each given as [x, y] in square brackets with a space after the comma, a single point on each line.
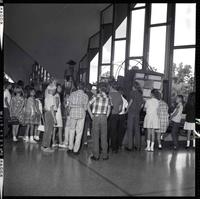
[152, 146]
[148, 145]
[31, 137]
[193, 142]
[188, 143]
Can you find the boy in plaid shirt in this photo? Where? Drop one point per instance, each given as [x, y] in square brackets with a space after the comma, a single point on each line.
[101, 106]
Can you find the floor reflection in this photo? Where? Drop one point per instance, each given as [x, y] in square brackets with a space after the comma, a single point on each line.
[166, 172]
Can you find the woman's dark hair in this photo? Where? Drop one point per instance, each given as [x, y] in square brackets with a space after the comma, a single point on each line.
[137, 86]
[191, 99]
[156, 94]
[39, 94]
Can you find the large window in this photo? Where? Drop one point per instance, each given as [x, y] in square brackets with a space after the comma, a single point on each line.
[105, 71]
[183, 71]
[185, 23]
[159, 13]
[94, 69]
[119, 58]
[106, 52]
[157, 48]
[121, 30]
[137, 32]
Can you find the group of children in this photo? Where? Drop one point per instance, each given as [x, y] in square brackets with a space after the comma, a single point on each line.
[156, 119]
[29, 109]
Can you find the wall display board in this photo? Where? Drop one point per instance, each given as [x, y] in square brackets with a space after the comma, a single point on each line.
[149, 80]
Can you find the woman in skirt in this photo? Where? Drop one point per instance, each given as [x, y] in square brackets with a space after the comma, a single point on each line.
[189, 125]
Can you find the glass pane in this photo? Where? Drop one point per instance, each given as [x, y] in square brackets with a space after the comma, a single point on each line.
[135, 64]
[183, 72]
[139, 5]
[94, 69]
[185, 24]
[137, 32]
[121, 30]
[119, 58]
[107, 15]
[105, 71]
[157, 48]
[106, 53]
[158, 13]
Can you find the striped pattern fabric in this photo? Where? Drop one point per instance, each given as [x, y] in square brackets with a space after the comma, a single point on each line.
[100, 103]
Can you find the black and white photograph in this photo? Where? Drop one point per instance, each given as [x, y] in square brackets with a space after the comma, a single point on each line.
[99, 99]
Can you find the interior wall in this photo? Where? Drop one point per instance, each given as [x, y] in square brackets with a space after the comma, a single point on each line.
[53, 33]
[17, 63]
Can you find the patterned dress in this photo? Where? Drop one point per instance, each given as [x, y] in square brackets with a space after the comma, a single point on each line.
[163, 116]
[31, 115]
[17, 108]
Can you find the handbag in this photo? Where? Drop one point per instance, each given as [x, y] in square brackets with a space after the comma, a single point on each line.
[13, 121]
[41, 126]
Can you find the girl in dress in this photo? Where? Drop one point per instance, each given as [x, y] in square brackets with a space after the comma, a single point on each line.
[30, 116]
[59, 124]
[151, 120]
[164, 121]
[189, 125]
[16, 110]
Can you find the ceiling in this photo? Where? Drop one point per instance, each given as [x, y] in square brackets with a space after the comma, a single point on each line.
[52, 33]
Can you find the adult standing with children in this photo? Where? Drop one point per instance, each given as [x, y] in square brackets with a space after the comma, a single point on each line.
[78, 101]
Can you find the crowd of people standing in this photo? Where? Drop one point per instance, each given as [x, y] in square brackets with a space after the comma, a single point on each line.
[111, 117]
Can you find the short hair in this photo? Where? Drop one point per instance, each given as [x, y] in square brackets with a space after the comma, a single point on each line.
[20, 83]
[180, 97]
[89, 86]
[58, 84]
[103, 86]
[18, 89]
[39, 94]
[114, 85]
[30, 89]
[156, 94]
[137, 86]
[81, 86]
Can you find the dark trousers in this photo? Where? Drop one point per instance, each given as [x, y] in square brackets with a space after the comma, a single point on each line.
[174, 133]
[49, 127]
[122, 128]
[114, 131]
[99, 130]
[133, 131]
[5, 119]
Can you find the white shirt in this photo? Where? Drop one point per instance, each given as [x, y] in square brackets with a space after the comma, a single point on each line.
[124, 106]
[178, 116]
[6, 94]
[49, 100]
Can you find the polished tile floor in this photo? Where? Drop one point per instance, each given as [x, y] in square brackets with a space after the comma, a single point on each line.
[30, 172]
